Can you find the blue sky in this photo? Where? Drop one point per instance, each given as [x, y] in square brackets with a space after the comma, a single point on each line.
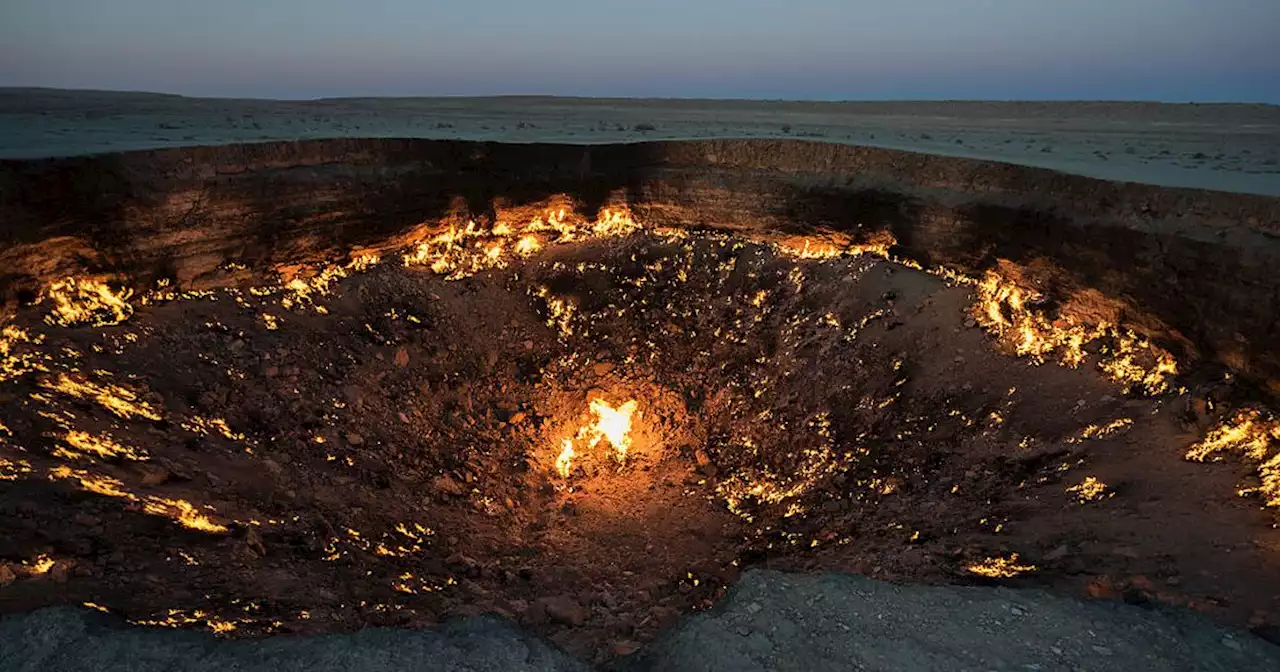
[1178, 50]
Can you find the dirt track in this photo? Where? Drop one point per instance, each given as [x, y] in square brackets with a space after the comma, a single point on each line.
[390, 459]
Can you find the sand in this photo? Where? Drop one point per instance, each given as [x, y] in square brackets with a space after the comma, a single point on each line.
[1222, 147]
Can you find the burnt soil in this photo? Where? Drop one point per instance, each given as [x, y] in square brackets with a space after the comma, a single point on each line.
[390, 460]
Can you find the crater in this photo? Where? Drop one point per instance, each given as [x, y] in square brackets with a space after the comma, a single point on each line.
[592, 423]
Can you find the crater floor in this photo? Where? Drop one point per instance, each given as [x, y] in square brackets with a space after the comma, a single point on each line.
[385, 446]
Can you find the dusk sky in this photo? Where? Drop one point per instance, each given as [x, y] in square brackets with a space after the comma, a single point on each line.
[1175, 50]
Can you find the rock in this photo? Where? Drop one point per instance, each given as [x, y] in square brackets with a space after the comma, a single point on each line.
[1057, 553]
[402, 357]
[1126, 552]
[625, 647]
[6, 575]
[153, 474]
[562, 609]
[1102, 590]
[602, 368]
[253, 542]
[517, 418]
[445, 484]
[404, 418]
[355, 439]
[61, 571]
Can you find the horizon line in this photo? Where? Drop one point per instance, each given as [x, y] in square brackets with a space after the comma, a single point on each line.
[833, 101]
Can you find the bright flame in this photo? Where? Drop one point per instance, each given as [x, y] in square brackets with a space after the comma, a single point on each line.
[118, 400]
[1000, 568]
[179, 510]
[612, 424]
[528, 245]
[564, 463]
[1091, 490]
[85, 301]
[1251, 434]
[41, 565]
[464, 250]
[1006, 309]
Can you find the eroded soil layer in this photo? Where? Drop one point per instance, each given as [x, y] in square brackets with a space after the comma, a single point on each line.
[388, 449]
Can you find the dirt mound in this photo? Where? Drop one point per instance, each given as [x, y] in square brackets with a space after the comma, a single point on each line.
[381, 444]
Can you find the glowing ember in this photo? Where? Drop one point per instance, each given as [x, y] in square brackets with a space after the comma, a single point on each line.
[612, 424]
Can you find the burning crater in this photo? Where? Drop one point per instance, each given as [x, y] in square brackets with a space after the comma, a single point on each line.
[592, 425]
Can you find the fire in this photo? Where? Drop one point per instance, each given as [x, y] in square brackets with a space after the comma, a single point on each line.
[1091, 490]
[1252, 434]
[179, 510]
[464, 250]
[564, 463]
[1000, 568]
[612, 424]
[41, 565]
[119, 401]
[85, 301]
[1006, 309]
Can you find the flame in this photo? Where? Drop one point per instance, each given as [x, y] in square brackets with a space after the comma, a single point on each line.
[102, 446]
[1091, 490]
[1000, 568]
[118, 400]
[41, 565]
[462, 250]
[1004, 308]
[1252, 434]
[14, 363]
[86, 301]
[179, 510]
[564, 463]
[527, 245]
[612, 425]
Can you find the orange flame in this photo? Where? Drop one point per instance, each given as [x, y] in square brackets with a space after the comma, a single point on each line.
[612, 424]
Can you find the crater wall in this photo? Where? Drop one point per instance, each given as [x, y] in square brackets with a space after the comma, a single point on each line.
[1191, 269]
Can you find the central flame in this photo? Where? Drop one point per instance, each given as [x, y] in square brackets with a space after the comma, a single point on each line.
[612, 424]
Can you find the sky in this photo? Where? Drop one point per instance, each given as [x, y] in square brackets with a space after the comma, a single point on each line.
[1171, 50]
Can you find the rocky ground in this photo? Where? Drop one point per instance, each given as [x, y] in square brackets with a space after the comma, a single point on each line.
[382, 445]
[768, 621]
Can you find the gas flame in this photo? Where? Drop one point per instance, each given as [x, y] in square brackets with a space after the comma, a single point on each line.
[1000, 568]
[1252, 434]
[564, 463]
[464, 250]
[119, 401]
[179, 510]
[1006, 309]
[612, 424]
[86, 301]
